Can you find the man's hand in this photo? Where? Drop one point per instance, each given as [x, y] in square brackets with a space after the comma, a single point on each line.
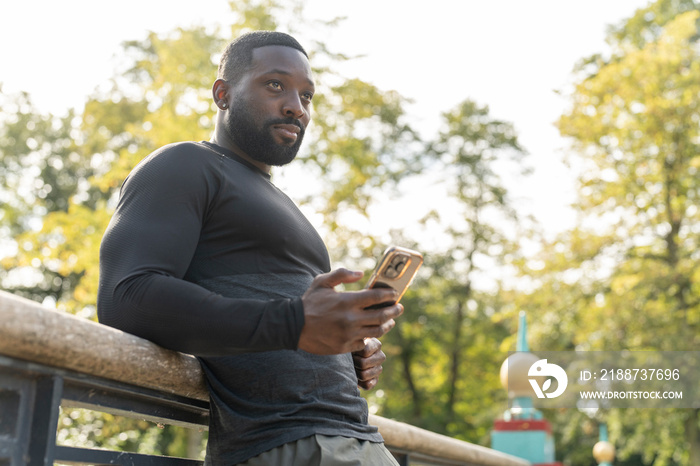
[338, 322]
[368, 363]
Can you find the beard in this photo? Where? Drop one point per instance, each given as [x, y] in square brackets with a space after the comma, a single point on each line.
[256, 141]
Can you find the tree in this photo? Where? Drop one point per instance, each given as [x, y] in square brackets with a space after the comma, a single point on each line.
[42, 167]
[445, 352]
[627, 277]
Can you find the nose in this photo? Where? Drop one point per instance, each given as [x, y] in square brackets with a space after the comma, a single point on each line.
[293, 107]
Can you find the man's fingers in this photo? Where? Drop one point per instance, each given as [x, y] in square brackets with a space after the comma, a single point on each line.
[368, 363]
[369, 384]
[382, 315]
[378, 331]
[357, 345]
[370, 355]
[365, 298]
[372, 345]
[336, 277]
[369, 374]
[369, 298]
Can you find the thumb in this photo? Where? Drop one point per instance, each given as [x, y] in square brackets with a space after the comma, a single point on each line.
[336, 277]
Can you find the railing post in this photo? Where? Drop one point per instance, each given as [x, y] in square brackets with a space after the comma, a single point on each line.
[45, 408]
[29, 407]
[15, 393]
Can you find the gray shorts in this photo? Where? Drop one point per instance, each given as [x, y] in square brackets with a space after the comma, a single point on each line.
[322, 450]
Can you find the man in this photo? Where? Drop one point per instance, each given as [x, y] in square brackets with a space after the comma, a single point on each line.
[206, 256]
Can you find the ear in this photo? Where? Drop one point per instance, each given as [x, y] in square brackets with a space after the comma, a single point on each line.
[220, 93]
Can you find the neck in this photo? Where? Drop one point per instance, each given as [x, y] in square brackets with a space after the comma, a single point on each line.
[220, 138]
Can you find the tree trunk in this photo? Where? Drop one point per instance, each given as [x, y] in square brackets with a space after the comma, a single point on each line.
[406, 359]
[456, 361]
[692, 435]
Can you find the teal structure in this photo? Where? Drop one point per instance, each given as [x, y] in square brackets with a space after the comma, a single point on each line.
[523, 432]
[603, 438]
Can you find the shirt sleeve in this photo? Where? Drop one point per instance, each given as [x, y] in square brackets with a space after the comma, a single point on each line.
[146, 251]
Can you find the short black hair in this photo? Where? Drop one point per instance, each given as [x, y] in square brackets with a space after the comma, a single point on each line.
[238, 56]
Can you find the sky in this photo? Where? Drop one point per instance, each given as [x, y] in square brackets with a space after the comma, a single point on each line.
[511, 55]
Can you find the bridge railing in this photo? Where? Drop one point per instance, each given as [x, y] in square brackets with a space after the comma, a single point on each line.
[50, 359]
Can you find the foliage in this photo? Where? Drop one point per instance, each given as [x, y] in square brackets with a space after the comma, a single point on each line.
[444, 356]
[92, 429]
[627, 277]
[42, 168]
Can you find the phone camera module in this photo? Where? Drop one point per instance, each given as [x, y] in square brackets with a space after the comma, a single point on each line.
[396, 267]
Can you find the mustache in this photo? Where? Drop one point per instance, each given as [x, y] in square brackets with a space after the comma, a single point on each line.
[285, 121]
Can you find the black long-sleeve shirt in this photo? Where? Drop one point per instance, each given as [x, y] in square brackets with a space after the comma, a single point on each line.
[206, 256]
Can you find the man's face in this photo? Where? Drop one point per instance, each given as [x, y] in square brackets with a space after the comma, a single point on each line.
[271, 105]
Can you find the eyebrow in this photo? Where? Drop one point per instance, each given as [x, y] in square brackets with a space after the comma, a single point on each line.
[287, 73]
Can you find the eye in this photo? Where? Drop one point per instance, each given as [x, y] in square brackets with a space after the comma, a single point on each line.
[275, 85]
[307, 96]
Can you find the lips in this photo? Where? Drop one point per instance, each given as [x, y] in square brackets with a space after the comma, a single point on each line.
[287, 131]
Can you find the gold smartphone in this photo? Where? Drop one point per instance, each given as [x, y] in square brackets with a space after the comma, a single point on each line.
[396, 269]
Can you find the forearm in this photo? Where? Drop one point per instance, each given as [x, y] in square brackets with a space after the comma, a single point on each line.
[185, 317]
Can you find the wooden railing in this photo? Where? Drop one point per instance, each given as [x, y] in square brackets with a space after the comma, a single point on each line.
[50, 359]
